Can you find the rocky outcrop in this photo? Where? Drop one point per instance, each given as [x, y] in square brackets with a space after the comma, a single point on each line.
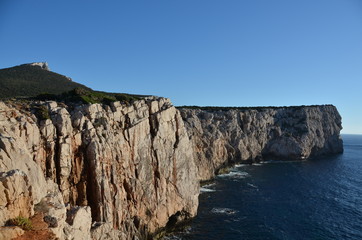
[128, 167]
[221, 136]
[42, 65]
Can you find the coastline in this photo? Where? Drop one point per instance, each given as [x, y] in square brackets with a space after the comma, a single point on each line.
[148, 156]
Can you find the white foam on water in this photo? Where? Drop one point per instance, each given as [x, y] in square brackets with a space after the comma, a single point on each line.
[227, 211]
[240, 165]
[209, 185]
[234, 174]
[207, 188]
[252, 185]
[203, 190]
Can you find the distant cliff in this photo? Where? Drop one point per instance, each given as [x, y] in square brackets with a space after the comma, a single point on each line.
[221, 136]
[127, 171]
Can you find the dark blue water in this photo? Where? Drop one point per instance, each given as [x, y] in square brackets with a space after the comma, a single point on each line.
[315, 199]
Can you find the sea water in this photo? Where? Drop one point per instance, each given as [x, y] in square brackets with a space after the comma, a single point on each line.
[314, 199]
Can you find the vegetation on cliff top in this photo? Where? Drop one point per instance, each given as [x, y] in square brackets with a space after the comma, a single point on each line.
[82, 95]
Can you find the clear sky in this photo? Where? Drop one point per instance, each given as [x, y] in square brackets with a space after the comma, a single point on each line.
[198, 52]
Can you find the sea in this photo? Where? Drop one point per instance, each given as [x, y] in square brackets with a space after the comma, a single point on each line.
[312, 199]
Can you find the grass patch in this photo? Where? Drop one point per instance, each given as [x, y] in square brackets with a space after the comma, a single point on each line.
[22, 222]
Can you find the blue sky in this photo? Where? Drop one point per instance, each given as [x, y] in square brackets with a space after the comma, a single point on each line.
[198, 52]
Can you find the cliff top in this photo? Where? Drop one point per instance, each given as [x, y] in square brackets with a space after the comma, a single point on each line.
[211, 108]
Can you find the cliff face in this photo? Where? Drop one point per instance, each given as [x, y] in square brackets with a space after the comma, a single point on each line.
[132, 166]
[133, 169]
[222, 136]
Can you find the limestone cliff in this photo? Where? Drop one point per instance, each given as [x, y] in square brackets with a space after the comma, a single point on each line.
[125, 171]
[221, 136]
[129, 167]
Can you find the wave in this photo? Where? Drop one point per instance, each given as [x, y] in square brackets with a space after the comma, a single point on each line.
[252, 185]
[234, 174]
[257, 164]
[203, 190]
[209, 185]
[207, 188]
[241, 165]
[227, 211]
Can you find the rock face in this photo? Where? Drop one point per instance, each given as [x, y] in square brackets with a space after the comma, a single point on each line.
[130, 164]
[127, 171]
[10, 232]
[15, 196]
[221, 136]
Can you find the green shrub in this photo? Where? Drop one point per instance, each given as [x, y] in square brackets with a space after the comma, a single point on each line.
[22, 222]
[42, 112]
[125, 97]
[46, 97]
[88, 96]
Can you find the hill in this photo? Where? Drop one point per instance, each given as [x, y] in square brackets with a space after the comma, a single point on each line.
[35, 80]
[30, 80]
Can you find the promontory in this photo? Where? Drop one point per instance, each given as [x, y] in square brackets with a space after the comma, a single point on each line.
[95, 165]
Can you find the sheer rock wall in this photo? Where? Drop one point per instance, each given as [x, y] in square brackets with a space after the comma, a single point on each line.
[221, 136]
[131, 164]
